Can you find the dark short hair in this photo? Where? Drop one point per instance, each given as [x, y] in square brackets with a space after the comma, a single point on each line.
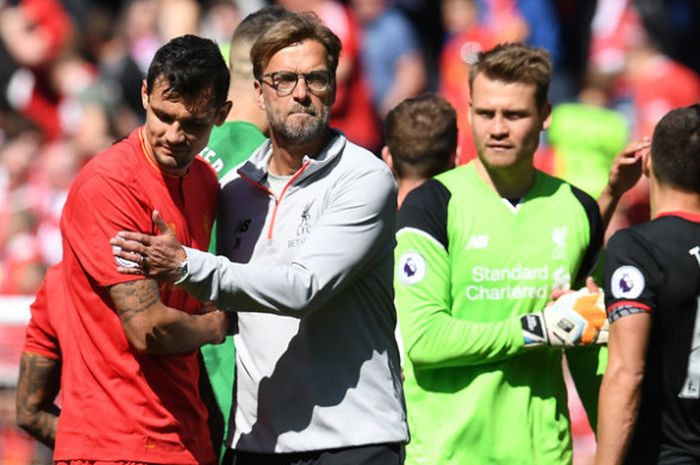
[515, 62]
[675, 149]
[421, 134]
[297, 28]
[191, 65]
[248, 31]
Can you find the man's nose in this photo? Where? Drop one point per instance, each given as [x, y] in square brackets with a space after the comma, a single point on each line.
[499, 127]
[301, 90]
[174, 134]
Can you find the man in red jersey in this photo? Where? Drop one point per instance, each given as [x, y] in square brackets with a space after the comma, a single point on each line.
[129, 344]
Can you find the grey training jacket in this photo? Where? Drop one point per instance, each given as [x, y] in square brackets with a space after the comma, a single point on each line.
[310, 277]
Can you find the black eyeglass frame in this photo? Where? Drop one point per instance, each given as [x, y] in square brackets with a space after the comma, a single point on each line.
[281, 93]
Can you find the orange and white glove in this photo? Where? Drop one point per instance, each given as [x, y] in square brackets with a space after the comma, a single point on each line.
[574, 319]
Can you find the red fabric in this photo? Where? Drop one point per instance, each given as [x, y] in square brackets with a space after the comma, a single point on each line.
[661, 85]
[53, 21]
[694, 217]
[41, 337]
[352, 112]
[119, 404]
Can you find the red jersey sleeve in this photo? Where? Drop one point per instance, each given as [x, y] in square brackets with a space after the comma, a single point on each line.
[100, 207]
[41, 337]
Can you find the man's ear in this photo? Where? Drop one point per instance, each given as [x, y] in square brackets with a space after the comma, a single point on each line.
[646, 163]
[386, 156]
[144, 94]
[222, 113]
[259, 99]
[547, 116]
[454, 161]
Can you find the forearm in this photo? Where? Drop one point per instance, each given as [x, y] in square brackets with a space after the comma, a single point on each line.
[37, 388]
[607, 203]
[155, 328]
[617, 413]
[175, 332]
[587, 365]
[441, 341]
[289, 289]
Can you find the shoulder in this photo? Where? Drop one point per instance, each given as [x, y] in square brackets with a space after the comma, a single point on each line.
[201, 169]
[425, 209]
[118, 164]
[561, 190]
[358, 161]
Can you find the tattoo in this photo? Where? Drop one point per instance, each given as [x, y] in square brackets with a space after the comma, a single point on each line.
[134, 297]
[38, 385]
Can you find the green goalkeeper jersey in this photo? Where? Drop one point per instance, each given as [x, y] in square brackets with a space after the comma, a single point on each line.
[468, 264]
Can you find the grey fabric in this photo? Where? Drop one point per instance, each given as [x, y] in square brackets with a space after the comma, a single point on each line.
[310, 277]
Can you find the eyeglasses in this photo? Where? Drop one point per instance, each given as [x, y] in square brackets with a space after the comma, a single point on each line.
[284, 82]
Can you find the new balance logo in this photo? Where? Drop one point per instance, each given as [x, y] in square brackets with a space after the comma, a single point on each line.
[478, 241]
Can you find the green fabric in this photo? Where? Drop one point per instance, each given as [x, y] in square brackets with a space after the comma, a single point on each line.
[586, 140]
[474, 394]
[229, 146]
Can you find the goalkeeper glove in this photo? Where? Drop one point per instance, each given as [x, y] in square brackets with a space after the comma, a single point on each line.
[575, 318]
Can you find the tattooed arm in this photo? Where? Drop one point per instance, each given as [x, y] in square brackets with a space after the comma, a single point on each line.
[39, 380]
[152, 327]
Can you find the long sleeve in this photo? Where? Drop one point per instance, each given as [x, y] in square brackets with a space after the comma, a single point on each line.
[353, 233]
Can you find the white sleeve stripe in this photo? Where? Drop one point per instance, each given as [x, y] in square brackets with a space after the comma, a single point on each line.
[420, 232]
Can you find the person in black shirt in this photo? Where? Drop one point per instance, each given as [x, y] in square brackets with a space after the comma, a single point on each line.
[649, 407]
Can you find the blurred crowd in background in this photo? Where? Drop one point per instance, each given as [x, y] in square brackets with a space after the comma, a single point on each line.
[70, 74]
[71, 71]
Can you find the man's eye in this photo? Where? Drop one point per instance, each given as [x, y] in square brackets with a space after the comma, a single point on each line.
[286, 78]
[319, 79]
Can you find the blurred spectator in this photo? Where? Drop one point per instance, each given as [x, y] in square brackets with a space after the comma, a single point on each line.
[390, 54]
[585, 139]
[467, 38]
[471, 31]
[219, 20]
[672, 26]
[106, 45]
[34, 33]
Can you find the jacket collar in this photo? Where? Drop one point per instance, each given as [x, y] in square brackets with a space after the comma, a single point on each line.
[256, 168]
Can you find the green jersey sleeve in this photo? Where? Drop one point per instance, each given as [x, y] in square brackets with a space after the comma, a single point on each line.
[432, 336]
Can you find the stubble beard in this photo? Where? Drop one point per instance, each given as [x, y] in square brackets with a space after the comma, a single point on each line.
[301, 133]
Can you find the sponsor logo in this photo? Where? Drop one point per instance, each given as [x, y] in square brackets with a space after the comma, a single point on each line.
[411, 268]
[477, 241]
[561, 279]
[559, 239]
[242, 226]
[533, 325]
[627, 282]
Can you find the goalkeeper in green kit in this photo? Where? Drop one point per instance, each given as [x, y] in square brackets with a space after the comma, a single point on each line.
[480, 250]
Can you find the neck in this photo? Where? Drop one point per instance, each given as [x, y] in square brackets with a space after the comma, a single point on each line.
[244, 106]
[511, 183]
[287, 159]
[406, 185]
[663, 198]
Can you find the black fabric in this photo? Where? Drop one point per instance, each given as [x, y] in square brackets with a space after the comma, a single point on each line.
[656, 267]
[425, 208]
[597, 232]
[375, 454]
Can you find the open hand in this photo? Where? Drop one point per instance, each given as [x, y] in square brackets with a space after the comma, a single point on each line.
[157, 257]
